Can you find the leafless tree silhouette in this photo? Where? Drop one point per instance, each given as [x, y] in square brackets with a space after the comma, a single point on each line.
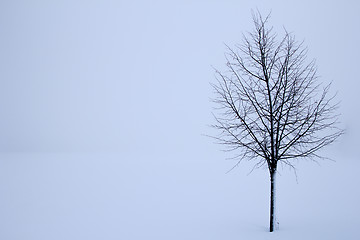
[270, 107]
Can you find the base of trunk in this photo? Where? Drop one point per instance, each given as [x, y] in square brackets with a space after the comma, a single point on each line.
[274, 223]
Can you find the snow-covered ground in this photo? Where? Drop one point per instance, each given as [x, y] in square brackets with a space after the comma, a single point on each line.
[133, 77]
[103, 196]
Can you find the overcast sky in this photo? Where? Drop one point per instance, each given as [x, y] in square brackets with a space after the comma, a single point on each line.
[134, 75]
[80, 78]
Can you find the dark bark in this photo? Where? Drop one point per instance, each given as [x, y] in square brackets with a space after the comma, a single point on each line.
[272, 201]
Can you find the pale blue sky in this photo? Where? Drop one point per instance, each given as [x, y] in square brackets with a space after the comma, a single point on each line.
[119, 75]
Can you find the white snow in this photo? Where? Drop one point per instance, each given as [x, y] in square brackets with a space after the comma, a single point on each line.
[276, 218]
[82, 196]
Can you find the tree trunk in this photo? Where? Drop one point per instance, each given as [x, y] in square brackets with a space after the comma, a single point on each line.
[274, 225]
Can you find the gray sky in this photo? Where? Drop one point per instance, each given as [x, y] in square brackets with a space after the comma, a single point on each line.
[134, 75]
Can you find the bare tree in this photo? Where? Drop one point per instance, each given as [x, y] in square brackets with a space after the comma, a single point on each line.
[271, 108]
